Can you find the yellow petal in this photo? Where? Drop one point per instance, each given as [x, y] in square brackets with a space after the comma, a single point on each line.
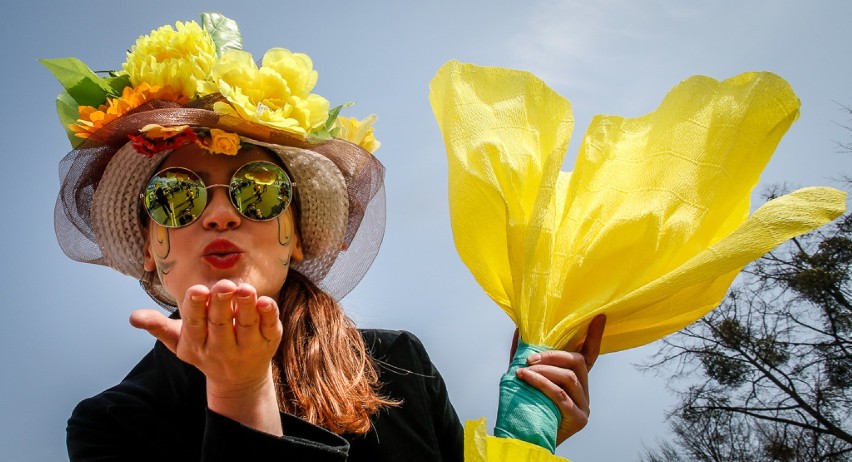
[155, 131]
[481, 447]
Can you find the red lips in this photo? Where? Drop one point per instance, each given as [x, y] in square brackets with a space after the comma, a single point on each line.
[221, 254]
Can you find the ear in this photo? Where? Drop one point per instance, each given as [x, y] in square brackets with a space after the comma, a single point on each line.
[148, 263]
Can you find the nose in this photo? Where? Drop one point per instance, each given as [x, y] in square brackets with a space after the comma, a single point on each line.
[220, 214]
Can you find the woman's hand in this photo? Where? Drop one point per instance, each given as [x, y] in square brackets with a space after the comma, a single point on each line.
[564, 378]
[230, 334]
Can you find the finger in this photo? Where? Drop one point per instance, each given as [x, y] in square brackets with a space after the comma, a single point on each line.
[270, 324]
[557, 358]
[164, 329]
[560, 397]
[574, 362]
[592, 345]
[193, 312]
[567, 380]
[247, 317]
[220, 315]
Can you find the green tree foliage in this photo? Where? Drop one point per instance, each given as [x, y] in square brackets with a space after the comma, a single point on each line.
[767, 376]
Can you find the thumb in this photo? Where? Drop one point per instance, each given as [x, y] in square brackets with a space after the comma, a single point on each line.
[592, 345]
[514, 347]
[164, 329]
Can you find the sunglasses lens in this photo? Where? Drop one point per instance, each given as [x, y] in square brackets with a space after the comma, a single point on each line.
[175, 197]
[261, 190]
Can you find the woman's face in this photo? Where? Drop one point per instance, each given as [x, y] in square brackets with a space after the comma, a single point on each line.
[221, 244]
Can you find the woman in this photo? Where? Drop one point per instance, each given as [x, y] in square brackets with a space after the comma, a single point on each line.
[220, 186]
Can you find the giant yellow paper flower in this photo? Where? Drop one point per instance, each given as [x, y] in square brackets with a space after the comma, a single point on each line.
[650, 229]
[177, 58]
[277, 94]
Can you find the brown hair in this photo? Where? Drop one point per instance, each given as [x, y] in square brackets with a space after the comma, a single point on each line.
[323, 371]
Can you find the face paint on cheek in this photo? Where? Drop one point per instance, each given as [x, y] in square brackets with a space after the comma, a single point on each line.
[163, 245]
[163, 268]
[285, 236]
[161, 250]
[285, 230]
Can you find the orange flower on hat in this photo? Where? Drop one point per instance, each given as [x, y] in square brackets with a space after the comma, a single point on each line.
[220, 142]
[92, 119]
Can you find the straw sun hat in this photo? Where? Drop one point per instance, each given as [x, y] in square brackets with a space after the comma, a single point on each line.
[200, 90]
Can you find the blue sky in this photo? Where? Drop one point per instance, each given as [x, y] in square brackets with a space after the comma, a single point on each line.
[66, 336]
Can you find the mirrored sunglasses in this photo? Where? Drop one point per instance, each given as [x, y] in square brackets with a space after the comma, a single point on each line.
[177, 196]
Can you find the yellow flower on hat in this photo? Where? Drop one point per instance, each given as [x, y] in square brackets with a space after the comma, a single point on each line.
[359, 132]
[277, 94]
[297, 69]
[177, 58]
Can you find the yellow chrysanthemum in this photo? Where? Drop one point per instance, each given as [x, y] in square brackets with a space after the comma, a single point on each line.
[91, 119]
[177, 58]
[276, 95]
[359, 132]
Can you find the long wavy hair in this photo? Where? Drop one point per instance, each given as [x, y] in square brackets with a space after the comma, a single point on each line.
[322, 369]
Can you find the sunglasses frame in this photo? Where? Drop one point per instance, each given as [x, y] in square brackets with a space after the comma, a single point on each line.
[231, 198]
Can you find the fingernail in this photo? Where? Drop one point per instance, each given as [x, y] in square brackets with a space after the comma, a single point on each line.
[519, 373]
[243, 297]
[533, 358]
[198, 298]
[224, 295]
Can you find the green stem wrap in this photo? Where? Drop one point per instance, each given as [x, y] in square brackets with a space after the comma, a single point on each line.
[525, 413]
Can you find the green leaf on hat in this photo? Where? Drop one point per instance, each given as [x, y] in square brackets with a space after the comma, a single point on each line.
[328, 131]
[333, 113]
[83, 85]
[68, 110]
[223, 30]
[118, 83]
[320, 136]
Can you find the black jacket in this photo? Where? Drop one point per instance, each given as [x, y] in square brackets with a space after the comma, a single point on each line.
[159, 412]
